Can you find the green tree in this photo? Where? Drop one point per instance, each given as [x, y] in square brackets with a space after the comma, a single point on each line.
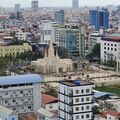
[95, 53]
[62, 52]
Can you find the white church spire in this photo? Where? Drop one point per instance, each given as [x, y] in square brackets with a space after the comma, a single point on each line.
[51, 49]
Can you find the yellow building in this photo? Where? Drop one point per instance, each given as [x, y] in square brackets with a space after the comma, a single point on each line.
[14, 49]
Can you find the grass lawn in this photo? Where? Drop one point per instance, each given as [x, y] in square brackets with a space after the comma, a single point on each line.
[112, 89]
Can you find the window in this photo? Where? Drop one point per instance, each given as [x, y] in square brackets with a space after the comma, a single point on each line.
[77, 100]
[6, 93]
[5, 86]
[87, 115]
[82, 99]
[13, 118]
[77, 108]
[29, 107]
[6, 101]
[108, 48]
[115, 49]
[82, 108]
[77, 116]
[108, 44]
[21, 92]
[87, 107]
[77, 91]
[82, 91]
[13, 101]
[87, 90]
[82, 116]
[104, 43]
[14, 109]
[104, 47]
[87, 99]
[50, 106]
[115, 45]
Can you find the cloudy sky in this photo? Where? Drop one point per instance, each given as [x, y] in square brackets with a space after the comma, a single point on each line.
[26, 3]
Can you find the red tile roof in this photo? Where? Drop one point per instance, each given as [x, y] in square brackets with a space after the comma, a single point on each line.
[112, 113]
[46, 99]
[111, 38]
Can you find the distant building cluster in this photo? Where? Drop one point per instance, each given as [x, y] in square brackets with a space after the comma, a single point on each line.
[65, 43]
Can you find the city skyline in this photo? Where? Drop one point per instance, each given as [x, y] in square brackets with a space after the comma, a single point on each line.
[53, 3]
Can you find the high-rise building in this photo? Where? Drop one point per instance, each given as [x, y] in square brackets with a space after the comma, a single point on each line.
[46, 27]
[17, 11]
[75, 4]
[34, 5]
[71, 38]
[99, 18]
[75, 100]
[17, 7]
[21, 93]
[59, 17]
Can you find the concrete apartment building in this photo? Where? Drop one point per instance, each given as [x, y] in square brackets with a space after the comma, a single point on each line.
[71, 38]
[44, 114]
[7, 114]
[21, 93]
[75, 100]
[13, 50]
[110, 49]
[21, 35]
[67, 36]
[46, 27]
[59, 17]
[75, 4]
[34, 5]
[93, 39]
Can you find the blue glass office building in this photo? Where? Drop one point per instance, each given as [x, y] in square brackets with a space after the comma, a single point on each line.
[99, 18]
[59, 17]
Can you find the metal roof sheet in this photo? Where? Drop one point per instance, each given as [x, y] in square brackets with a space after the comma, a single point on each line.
[20, 79]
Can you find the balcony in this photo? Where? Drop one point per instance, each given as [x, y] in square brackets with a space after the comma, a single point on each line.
[71, 93]
[71, 111]
[70, 102]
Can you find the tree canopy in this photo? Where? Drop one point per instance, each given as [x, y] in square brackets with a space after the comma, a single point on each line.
[95, 53]
[62, 52]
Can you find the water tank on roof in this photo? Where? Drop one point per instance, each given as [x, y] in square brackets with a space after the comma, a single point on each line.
[77, 82]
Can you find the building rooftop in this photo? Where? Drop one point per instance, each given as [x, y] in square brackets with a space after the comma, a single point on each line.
[46, 99]
[20, 79]
[112, 37]
[5, 111]
[98, 95]
[75, 83]
[46, 113]
[97, 35]
[112, 113]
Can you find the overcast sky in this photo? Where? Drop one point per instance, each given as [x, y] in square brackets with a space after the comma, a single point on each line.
[26, 3]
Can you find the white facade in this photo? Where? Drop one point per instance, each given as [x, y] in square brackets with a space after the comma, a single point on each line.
[21, 35]
[109, 50]
[21, 94]
[46, 27]
[51, 106]
[43, 114]
[93, 39]
[7, 114]
[75, 101]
